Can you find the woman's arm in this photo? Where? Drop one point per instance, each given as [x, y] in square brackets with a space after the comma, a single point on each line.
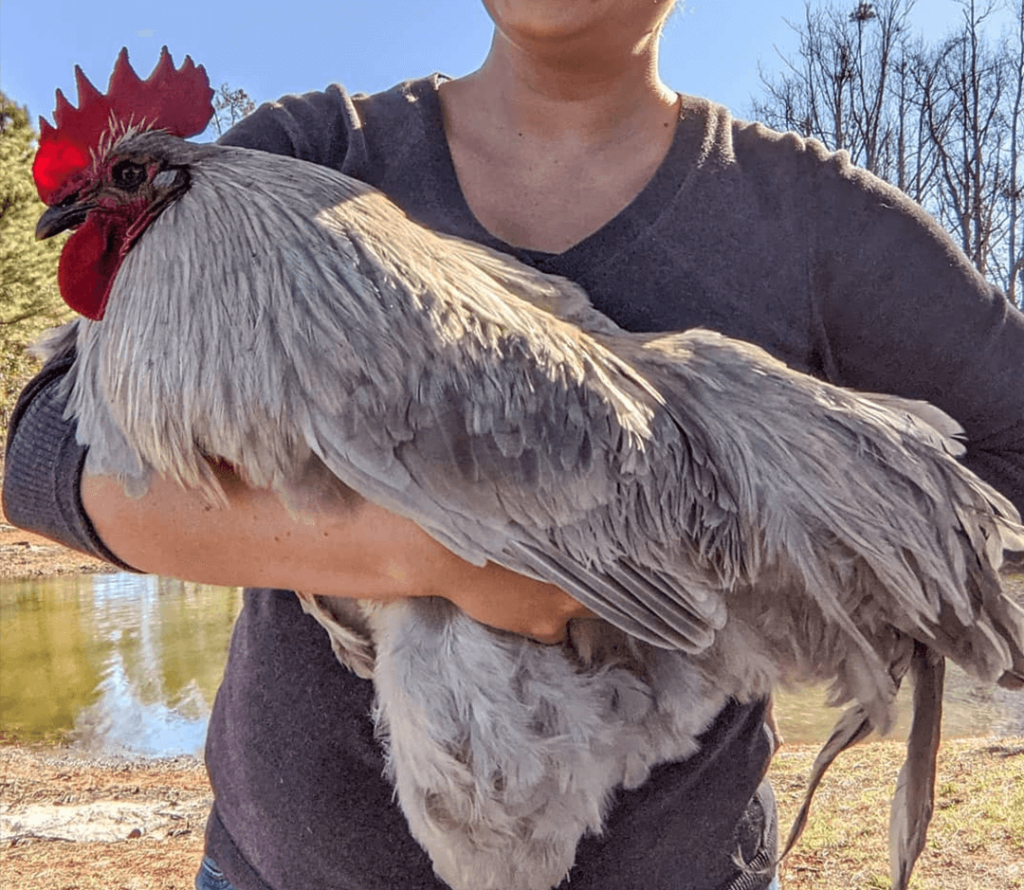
[360, 551]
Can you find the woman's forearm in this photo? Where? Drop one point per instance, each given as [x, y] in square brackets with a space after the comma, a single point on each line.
[358, 551]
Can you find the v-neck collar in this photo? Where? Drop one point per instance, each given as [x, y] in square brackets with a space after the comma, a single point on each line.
[612, 238]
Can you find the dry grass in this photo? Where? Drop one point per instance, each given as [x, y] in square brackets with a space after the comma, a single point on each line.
[976, 839]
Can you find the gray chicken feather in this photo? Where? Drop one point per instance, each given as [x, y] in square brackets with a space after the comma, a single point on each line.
[734, 524]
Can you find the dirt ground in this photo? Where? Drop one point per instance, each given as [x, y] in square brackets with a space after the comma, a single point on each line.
[24, 555]
[68, 823]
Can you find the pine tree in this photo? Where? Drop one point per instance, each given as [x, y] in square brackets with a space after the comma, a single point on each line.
[29, 298]
[28, 268]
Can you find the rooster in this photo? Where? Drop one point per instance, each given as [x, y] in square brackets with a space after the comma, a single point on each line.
[732, 524]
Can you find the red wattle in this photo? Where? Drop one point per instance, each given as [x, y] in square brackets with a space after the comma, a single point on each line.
[88, 264]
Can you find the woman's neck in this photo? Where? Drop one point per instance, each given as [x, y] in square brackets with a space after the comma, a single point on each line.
[583, 98]
[548, 150]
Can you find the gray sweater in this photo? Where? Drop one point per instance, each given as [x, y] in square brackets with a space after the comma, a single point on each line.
[758, 235]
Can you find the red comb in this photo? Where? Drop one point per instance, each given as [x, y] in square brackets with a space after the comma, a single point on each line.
[177, 100]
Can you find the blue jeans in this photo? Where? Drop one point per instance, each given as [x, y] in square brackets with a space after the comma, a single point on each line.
[211, 878]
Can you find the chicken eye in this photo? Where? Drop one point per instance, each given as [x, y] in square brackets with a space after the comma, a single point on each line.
[128, 175]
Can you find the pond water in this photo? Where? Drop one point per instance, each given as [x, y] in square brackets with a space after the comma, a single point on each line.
[121, 663]
[130, 664]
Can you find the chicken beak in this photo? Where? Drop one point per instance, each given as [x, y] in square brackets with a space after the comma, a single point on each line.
[58, 219]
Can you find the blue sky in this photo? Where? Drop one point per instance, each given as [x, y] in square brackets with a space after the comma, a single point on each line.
[710, 48]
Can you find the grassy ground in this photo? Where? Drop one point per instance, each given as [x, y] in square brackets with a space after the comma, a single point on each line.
[976, 841]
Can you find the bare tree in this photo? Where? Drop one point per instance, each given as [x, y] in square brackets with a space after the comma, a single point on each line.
[1015, 186]
[230, 106]
[836, 88]
[914, 167]
[967, 112]
[943, 123]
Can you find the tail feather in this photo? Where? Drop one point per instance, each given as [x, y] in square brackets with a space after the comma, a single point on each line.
[852, 727]
[915, 788]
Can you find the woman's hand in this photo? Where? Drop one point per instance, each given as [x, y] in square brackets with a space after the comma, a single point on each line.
[357, 551]
[501, 598]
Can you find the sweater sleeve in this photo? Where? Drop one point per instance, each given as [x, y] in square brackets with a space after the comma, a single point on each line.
[901, 309]
[43, 466]
[43, 461]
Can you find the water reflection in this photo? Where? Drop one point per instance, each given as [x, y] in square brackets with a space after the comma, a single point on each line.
[969, 710]
[130, 664]
[123, 663]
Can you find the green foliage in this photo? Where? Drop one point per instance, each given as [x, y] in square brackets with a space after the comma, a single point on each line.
[29, 298]
[28, 268]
